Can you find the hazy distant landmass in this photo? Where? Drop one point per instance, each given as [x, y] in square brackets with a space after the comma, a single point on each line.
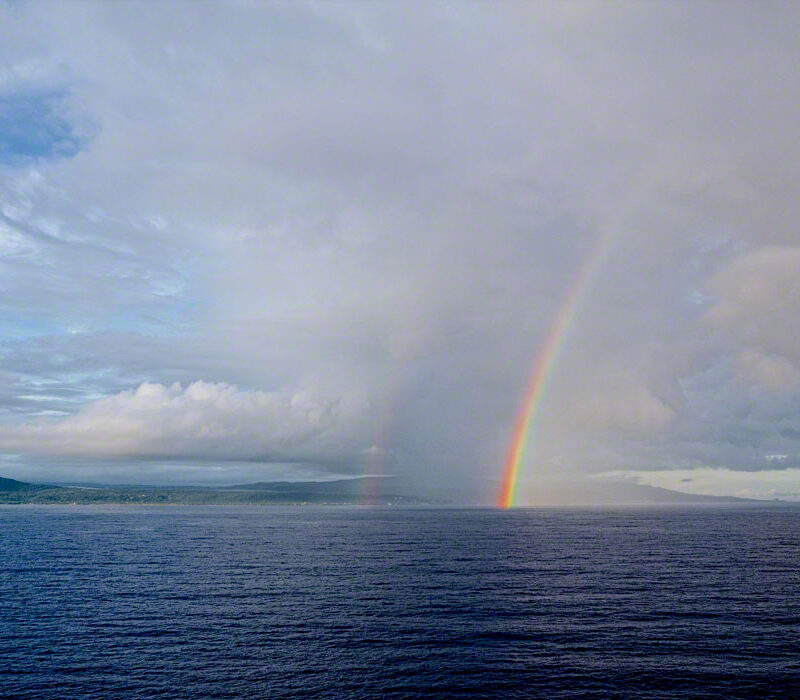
[602, 492]
[368, 490]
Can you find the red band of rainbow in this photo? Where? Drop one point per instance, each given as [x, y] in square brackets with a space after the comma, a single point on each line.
[542, 371]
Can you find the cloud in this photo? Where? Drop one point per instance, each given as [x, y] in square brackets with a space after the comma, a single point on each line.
[771, 371]
[389, 204]
[623, 406]
[208, 421]
[757, 296]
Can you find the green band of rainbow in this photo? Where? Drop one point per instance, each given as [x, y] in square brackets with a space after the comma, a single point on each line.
[542, 371]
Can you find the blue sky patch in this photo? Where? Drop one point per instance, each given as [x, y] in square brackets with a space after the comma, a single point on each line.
[33, 126]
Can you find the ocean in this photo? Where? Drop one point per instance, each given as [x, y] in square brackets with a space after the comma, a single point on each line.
[348, 602]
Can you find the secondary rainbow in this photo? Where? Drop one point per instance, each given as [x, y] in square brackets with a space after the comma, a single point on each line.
[380, 455]
[543, 369]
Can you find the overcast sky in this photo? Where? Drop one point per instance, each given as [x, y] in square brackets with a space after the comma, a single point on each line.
[247, 241]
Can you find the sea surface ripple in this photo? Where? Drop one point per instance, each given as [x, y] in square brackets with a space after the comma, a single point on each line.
[348, 602]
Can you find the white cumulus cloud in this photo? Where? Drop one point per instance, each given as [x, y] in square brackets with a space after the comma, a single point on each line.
[202, 420]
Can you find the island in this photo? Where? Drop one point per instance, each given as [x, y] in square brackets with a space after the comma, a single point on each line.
[356, 491]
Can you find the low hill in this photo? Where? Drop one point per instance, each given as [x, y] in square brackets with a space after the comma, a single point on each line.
[14, 486]
[357, 486]
[372, 490]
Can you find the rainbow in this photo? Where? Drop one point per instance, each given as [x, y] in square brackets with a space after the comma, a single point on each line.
[381, 454]
[543, 370]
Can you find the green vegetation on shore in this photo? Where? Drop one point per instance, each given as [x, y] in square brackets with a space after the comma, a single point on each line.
[367, 490]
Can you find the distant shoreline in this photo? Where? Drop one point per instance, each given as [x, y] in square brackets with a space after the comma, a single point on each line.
[364, 491]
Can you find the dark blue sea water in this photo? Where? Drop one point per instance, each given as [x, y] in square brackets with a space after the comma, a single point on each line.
[213, 602]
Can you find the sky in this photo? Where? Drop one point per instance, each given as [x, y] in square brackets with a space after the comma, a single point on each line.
[249, 241]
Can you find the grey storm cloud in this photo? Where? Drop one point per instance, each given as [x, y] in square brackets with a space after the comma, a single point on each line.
[381, 206]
